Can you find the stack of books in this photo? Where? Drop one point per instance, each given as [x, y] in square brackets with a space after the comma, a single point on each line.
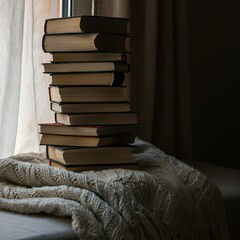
[94, 125]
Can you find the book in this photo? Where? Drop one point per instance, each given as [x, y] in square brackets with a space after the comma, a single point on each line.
[87, 94]
[90, 107]
[86, 141]
[90, 156]
[78, 42]
[77, 168]
[88, 57]
[61, 129]
[85, 67]
[91, 78]
[94, 119]
[86, 23]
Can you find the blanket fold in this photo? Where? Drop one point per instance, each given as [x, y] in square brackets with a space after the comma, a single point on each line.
[166, 199]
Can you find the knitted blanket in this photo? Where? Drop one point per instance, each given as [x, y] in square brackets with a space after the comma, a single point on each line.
[167, 199]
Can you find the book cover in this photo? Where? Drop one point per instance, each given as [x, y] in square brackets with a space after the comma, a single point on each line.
[85, 67]
[97, 118]
[87, 23]
[61, 129]
[88, 79]
[90, 156]
[89, 57]
[77, 168]
[85, 42]
[87, 94]
[86, 141]
[94, 107]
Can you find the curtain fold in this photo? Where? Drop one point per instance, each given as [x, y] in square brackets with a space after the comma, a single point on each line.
[159, 84]
[172, 109]
[144, 20]
[24, 101]
[11, 32]
[114, 8]
[184, 75]
[161, 90]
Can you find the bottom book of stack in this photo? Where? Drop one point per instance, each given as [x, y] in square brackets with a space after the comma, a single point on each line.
[84, 148]
[81, 168]
[79, 159]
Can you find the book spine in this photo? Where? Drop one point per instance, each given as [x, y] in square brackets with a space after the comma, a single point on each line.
[47, 152]
[43, 43]
[55, 117]
[45, 26]
[49, 94]
[50, 161]
[57, 162]
[118, 79]
[51, 107]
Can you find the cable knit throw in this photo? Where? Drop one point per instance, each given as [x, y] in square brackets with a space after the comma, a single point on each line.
[167, 199]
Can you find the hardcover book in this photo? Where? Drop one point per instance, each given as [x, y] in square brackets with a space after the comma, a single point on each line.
[80, 168]
[86, 119]
[90, 156]
[90, 107]
[86, 141]
[85, 67]
[87, 94]
[90, 131]
[89, 57]
[85, 42]
[88, 79]
[87, 24]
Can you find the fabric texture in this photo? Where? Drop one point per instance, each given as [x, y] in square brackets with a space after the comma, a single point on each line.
[24, 100]
[160, 74]
[167, 199]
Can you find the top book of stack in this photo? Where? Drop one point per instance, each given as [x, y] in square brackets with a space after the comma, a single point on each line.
[87, 24]
[86, 34]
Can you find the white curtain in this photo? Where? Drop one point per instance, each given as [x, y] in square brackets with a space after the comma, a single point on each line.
[24, 101]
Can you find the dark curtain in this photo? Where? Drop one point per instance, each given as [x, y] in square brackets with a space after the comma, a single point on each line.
[214, 54]
[172, 109]
[160, 75]
[185, 75]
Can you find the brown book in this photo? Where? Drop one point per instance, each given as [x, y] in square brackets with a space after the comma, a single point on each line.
[88, 79]
[87, 94]
[98, 119]
[77, 168]
[85, 42]
[86, 23]
[86, 141]
[61, 129]
[90, 156]
[88, 57]
[71, 67]
[90, 107]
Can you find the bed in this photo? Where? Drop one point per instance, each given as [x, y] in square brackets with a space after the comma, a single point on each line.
[165, 199]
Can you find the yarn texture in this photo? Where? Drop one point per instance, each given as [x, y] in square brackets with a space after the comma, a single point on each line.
[165, 200]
